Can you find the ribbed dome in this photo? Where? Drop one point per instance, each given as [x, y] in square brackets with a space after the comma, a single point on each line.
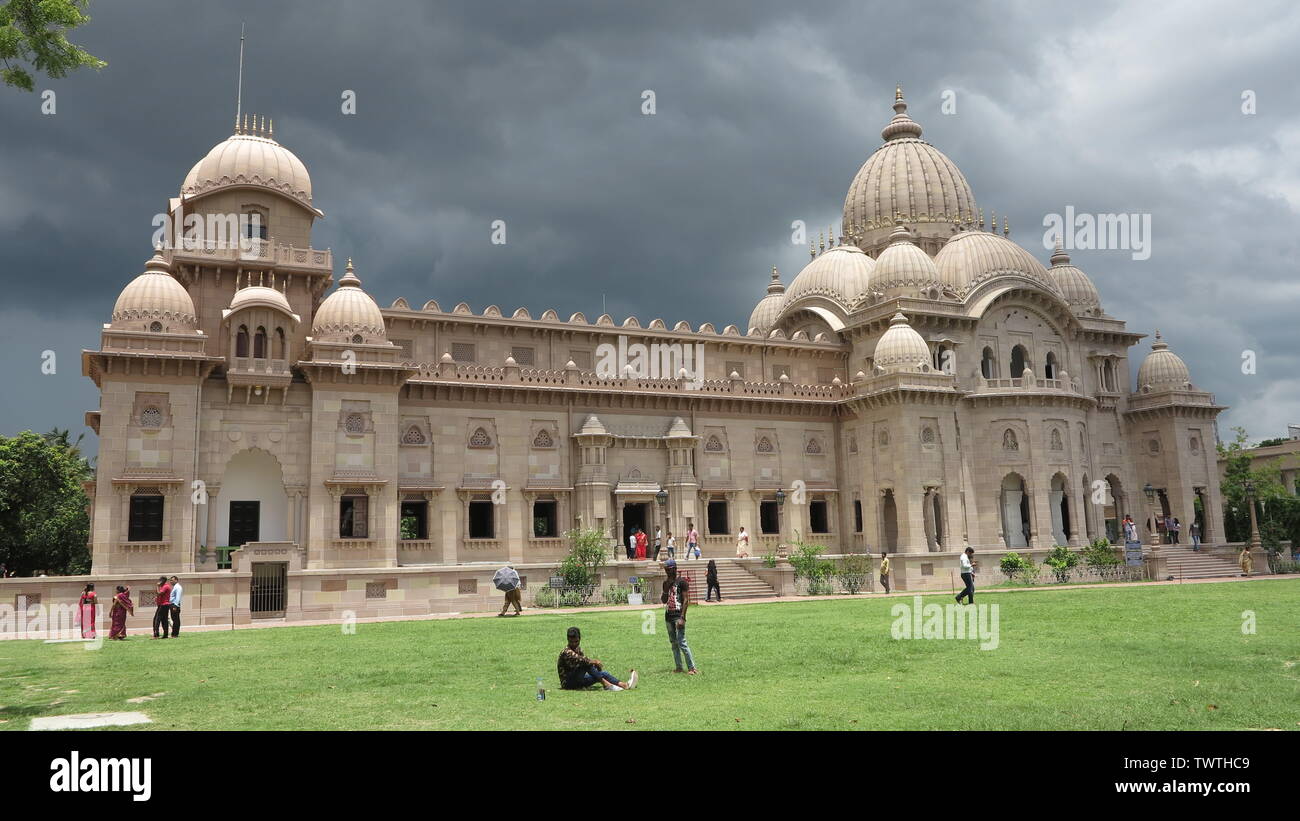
[155, 296]
[972, 257]
[347, 313]
[259, 296]
[907, 179]
[250, 159]
[902, 267]
[767, 309]
[901, 348]
[1163, 369]
[1079, 292]
[840, 273]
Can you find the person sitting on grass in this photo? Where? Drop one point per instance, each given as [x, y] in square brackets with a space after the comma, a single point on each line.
[577, 672]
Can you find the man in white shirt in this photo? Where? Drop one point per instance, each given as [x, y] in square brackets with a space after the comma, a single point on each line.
[967, 576]
[631, 544]
[175, 607]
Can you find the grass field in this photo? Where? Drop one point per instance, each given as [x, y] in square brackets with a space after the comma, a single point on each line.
[1122, 658]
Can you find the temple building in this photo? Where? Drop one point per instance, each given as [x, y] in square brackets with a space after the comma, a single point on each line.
[923, 384]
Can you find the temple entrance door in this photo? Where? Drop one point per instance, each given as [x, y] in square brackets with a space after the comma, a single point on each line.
[634, 516]
[245, 522]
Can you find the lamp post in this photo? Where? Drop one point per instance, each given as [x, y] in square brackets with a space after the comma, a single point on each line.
[1154, 532]
[1249, 487]
[662, 498]
[780, 522]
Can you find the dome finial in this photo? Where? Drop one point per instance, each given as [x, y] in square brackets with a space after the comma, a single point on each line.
[1006, 226]
[271, 128]
[902, 125]
[1059, 257]
[349, 279]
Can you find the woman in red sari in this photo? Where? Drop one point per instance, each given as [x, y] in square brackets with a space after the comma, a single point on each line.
[86, 608]
[122, 606]
[642, 542]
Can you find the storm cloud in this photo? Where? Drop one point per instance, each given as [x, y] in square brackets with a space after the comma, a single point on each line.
[531, 113]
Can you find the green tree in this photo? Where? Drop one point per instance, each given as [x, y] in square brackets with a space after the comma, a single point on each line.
[43, 521]
[1277, 512]
[34, 32]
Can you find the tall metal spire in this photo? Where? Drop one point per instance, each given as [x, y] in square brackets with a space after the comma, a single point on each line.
[239, 93]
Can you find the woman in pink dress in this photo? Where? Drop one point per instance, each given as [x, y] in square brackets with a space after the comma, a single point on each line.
[86, 612]
[122, 606]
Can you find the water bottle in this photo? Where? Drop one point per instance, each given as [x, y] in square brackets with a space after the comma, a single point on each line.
[541, 691]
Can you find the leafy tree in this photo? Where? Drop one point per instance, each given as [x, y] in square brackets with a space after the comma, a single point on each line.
[1277, 512]
[588, 550]
[35, 32]
[43, 521]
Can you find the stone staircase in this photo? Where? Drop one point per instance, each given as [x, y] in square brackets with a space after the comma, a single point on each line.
[1184, 563]
[736, 582]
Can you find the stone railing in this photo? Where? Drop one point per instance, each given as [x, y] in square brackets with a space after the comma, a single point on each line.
[573, 377]
[278, 255]
[248, 364]
[352, 544]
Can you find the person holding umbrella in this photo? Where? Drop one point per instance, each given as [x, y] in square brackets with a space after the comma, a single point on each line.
[507, 580]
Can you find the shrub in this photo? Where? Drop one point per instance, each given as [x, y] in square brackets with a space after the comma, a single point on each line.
[1011, 564]
[616, 594]
[855, 572]
[545, 597]
[807, 563]
[1062, 560]
[769, 559]
[587, 555]
[1100, 555]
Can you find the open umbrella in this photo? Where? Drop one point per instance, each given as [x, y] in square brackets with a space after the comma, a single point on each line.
[506, 579]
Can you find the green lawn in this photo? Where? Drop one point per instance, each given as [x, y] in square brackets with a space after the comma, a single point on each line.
[1123, 658]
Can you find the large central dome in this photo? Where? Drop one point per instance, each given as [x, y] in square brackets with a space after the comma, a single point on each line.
[250, 157]
[910, 180]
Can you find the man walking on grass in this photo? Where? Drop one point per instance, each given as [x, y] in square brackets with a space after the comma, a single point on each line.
[884, 570]
[967, 576]
[675, 603]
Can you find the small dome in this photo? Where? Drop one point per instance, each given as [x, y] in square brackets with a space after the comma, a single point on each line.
[259, 296]
[902, 267]
[971, 257]
[155, 297]
[907, 179]
[901, 348]
[1079, 292]
[250, 159]
[1163, 369]
[765, 312]
[840, 274]
[347, 313]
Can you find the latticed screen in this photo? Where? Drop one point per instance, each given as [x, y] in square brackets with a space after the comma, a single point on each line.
[463, 352]
[526, 357]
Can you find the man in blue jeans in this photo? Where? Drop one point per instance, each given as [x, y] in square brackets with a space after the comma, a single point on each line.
[675, 603]
[577, 672]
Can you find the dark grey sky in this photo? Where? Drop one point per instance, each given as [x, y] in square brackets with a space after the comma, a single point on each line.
[531, 113]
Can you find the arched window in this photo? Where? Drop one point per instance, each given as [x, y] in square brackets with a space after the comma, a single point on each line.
[280, 347]
[354, 423]
[259, 343]
[1107, 376]
[764, 445]
[255, 225]
[414, 436]
[356, 339]
[241, 342]
[480, 439]
[988, 365]
[155, 327]
[1019, 358]
[1049, 367]
[713, 445]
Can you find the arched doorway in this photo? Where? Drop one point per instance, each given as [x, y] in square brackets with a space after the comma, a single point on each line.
[1113, 509]
[1060, 505]
[255, 506]
[1019, 361]
[888, 522]
[1015, 511]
